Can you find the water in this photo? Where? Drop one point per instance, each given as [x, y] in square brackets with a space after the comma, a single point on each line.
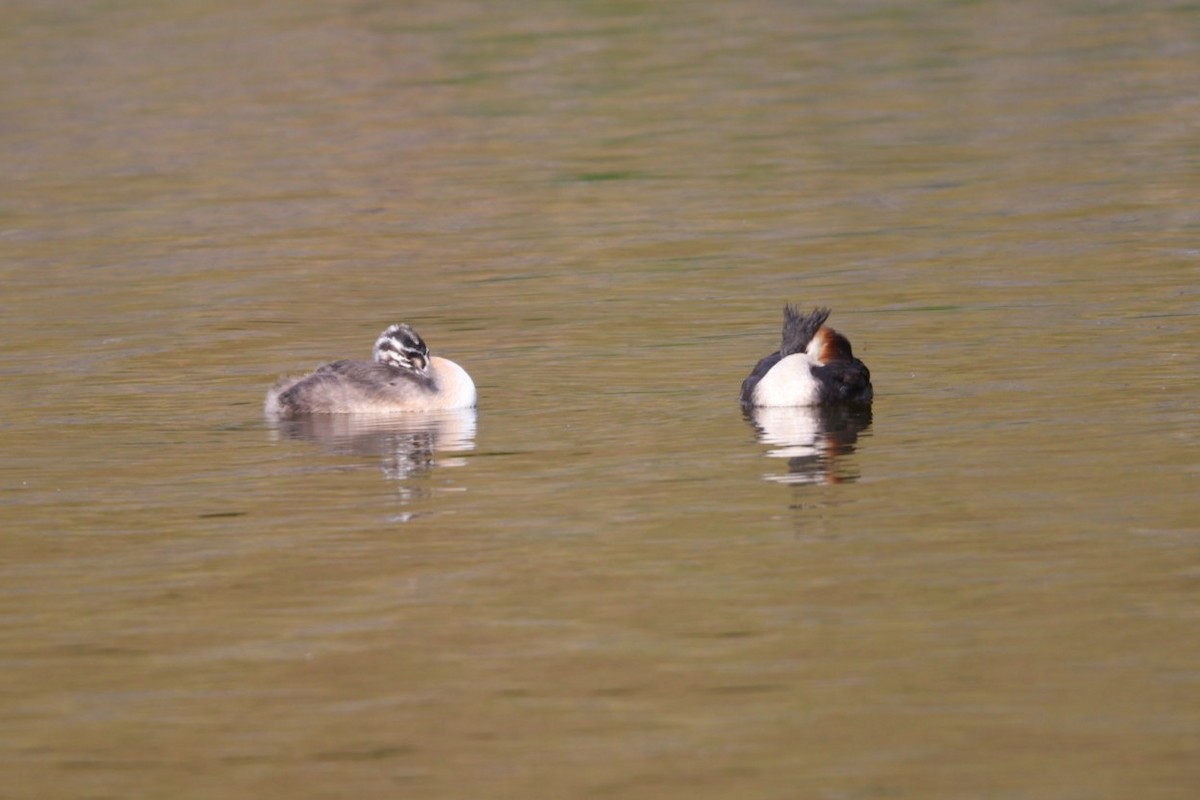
[606, 581]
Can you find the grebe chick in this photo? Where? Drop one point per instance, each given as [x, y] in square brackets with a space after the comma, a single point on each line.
[814, 366]
[401, 377]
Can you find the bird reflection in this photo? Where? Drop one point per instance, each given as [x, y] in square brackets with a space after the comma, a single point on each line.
[814, 440]
[408, 445]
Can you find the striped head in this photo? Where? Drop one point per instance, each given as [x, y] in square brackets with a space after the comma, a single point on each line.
[401, 347]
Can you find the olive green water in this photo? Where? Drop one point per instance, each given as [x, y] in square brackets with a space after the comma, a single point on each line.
[607, 582]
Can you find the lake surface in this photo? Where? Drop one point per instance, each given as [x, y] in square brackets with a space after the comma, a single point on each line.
[606, 581]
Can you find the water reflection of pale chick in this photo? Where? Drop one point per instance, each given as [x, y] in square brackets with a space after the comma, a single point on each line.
[816, 441]
[407, 444]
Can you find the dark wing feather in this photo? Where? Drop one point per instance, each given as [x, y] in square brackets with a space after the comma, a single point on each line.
[760, 369]
[844, 381]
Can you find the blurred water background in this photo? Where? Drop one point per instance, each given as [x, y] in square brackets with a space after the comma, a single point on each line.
[607, 582]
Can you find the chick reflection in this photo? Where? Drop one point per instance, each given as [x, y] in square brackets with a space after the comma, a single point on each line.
[814, 440]
[406, 443]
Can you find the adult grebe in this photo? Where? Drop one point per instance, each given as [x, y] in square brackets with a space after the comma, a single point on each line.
[402, 377]
[814, 366]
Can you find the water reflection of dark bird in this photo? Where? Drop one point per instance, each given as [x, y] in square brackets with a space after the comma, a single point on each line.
[813, 366]
[815, 440]
[401, 377]
[407, 444]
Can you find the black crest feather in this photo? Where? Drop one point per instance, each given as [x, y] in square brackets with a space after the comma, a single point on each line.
[799, 329]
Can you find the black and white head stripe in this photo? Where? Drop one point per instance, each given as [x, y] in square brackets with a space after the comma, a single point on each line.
[400, 346]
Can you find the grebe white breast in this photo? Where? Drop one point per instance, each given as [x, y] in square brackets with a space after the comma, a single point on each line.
[813, 366]
[402, 376]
